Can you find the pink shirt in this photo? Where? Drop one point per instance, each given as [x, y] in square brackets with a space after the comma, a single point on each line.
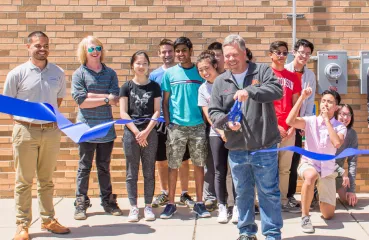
[317, 140]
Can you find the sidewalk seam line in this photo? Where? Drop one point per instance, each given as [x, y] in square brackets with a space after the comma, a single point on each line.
[351, 214]
[194, 229]
[40, 216]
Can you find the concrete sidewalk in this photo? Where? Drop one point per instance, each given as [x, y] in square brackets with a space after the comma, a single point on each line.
[348, 224]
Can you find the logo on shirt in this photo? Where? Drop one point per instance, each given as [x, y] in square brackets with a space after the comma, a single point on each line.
[141, 103]
[255, 82]
[286, 83]
[53, 78]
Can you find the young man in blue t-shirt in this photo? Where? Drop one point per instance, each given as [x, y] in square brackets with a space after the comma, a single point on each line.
[166, 53]
[184, 123]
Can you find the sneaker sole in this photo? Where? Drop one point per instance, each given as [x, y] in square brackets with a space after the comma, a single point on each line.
[80, 218]
[167, 217]
[149, 219]
[223, 221]
[48, 230]
[133, 220]
[234, 221]
[307, 230]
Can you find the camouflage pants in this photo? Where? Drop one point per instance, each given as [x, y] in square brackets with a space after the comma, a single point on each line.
[178, 137]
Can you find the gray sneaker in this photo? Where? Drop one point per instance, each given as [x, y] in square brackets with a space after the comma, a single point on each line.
[289, 207]
[306, 225]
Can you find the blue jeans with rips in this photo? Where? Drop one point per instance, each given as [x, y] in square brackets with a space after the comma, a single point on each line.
[260, 169]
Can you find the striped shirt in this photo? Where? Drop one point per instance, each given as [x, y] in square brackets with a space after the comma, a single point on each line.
[86, 81]
[183, 85]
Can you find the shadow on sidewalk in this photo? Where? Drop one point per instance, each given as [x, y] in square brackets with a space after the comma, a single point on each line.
[318, 237]
[86, 231]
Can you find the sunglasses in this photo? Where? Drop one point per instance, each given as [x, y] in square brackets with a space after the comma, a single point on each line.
[97, 48]
[278, 53]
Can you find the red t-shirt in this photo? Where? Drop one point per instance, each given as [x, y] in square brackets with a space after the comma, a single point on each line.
[291, 85]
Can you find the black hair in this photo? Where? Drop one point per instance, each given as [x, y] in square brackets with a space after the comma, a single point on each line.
[207, 54]
[183, 41]
[134, 56]
[351, 112]
[249, 55]
[275, 45]
[36, 34]
[304, 43]
[215, 46]
[335, 94]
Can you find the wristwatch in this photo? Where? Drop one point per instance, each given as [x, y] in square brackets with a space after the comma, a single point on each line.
[106, 100]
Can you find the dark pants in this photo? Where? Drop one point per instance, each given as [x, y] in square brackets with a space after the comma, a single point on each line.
[220, 158]
[294, 165]
[103, 157]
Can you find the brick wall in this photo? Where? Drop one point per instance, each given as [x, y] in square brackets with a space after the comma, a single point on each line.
[125, 26]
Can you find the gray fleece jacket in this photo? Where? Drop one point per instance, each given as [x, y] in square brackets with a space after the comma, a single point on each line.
[259, 127]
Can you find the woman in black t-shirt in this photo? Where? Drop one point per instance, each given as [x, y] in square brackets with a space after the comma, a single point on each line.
[140, 98]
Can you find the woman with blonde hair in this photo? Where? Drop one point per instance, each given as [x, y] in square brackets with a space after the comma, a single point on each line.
[95, 89]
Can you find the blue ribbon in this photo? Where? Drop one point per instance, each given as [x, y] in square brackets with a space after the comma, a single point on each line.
[317, 156]
[78, 132]
[235, 115]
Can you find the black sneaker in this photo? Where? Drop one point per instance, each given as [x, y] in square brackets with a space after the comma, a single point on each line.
[160, 200]
[257, 210]
[288, 207]
[294, 202]
[168, 212]
[244, 237]
[111, 206]
[187, 200]
[201, 211]
[211, 205]
[81, 204]
[306, 225]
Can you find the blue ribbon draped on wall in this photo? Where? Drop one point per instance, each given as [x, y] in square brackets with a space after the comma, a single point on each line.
[78, 132]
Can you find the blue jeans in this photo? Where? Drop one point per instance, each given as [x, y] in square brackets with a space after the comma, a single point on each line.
[262, 169]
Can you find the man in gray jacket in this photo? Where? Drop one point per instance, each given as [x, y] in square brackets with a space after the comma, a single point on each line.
[256, 87]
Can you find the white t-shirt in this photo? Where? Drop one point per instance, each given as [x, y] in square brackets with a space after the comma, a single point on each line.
[240, 77]
[204, 100]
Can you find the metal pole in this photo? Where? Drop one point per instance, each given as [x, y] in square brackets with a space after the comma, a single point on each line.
[293, 23]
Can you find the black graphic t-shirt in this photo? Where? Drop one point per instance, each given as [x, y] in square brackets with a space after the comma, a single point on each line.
[140, 100]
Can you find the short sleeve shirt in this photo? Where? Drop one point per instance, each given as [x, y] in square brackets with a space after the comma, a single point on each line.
[204, 100]
[140, 100]
[317, 140]
[30, 83]
[291, 85]
[183, 85]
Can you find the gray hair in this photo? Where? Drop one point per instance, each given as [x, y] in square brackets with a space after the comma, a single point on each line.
[235, 39]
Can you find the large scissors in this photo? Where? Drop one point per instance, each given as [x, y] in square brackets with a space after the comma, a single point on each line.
[235, 115]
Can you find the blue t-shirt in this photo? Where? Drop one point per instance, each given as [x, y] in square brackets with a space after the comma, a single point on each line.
[183, 85]
[157, 76]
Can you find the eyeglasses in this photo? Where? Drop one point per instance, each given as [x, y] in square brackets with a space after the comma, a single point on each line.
[279, 53]
[304, 54]
[97, 48]
[347, 115]
[38, 46]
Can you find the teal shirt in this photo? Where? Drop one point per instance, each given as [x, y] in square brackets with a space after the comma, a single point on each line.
[183, 85]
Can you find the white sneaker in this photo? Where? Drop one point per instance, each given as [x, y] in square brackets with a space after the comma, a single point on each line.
[133, 215]
[149, 215]
[222, 214]
[235, 215]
